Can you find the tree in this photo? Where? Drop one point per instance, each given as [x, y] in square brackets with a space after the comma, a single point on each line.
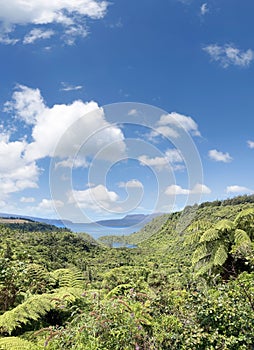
[225, 247]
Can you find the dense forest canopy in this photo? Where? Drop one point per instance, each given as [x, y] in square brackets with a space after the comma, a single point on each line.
[188, 284]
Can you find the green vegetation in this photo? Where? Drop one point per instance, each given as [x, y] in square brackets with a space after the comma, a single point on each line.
[189, 284]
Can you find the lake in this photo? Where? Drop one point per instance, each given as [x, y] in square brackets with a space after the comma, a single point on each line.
[97, 231]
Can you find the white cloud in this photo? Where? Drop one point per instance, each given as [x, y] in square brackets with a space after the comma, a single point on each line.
[53, 123]
[131, 184]
[238, 189]
[70, 14]
[73, 163]
[133, 112]
[250, 144]
[204, 9]
[6, 40]
[27, 103]
[220, 156]
[50, 204]
[68, 87]
[175, 190]
[16, 173]
[165, 131]
[172, 158]
[27, 200]
[73, 32]
[176, 120]
[96, 198]
[37, 34]
[228, 55]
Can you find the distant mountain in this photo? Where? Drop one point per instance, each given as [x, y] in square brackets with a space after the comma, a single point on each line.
[55, 222]
[127, 221]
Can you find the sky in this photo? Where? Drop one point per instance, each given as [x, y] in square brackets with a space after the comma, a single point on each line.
[124, 107]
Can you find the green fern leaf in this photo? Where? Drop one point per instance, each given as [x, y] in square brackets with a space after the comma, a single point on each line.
[224, 225]
[209, 235]
[220, 255]
[35, 307]
[199, 254]
[15, 343]
[72, 278]
[241, 237]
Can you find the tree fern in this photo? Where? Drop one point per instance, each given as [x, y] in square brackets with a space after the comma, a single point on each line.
[15, 343]
[220, 255]
[73, 277]
[35, 307]
[199, 254]
[245, 221]
[209, 235]
[224, 225]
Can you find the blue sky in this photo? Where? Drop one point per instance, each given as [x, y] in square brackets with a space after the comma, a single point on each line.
[185, 69]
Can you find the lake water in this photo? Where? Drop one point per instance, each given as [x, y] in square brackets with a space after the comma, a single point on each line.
[97, 231]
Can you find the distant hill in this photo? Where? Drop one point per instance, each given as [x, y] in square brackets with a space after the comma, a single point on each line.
[128, 220]
[55, 222]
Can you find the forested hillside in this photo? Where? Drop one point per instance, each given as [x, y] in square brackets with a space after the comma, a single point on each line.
[189, 284]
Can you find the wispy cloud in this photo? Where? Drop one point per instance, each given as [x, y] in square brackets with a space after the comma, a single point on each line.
[220, 156]
[204, 9]
[37, 34]
[27, 200]
[69, 87]
[238, 189]
[228, 55]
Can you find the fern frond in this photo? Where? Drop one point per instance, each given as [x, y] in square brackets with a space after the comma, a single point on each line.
[243, 217]
[241, 237]
[204, 269]
[15, 343]
[199, 225]
[220, 255]
[199, 254]
[37, 272]
[72, 278]
[192, 238]
[209, 235]
[224, 225]
[35, 307]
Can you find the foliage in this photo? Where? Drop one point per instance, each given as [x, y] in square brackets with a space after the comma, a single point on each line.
[189, 284]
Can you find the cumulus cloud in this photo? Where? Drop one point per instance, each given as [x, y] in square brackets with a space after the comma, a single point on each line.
[220, 156]
[238, 189]
[131, 184]
[96, 198]
[69, 14]
[172, 158]
[175, 190]
[37, 34]
[250, 144]
[228, 55]
[71, 125]
[50, 204]
[26, 103]
[169, 123]
[16, 172]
